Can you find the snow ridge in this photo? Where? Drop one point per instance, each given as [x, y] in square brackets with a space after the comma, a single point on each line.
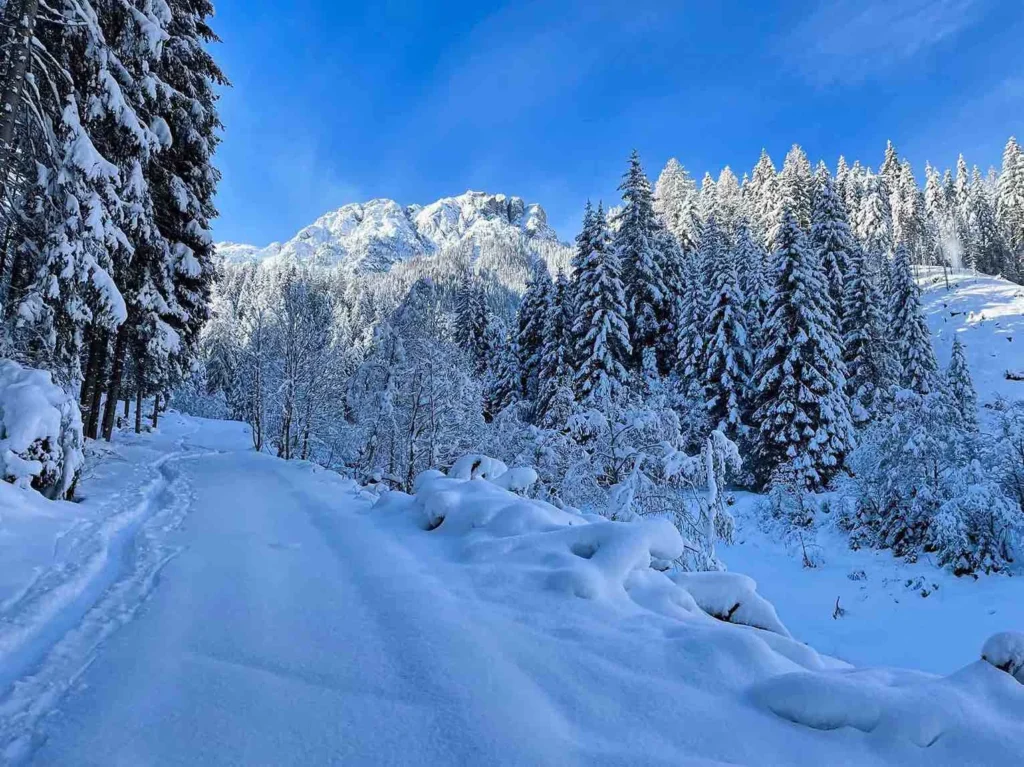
[375, 235]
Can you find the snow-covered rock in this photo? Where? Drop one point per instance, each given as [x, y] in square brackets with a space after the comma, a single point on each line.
[373, 236]
[40, 431]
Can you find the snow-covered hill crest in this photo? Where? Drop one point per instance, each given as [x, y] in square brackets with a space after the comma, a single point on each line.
[374, 235]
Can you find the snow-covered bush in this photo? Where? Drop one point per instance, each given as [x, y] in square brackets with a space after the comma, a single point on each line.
[40, 431]
[918, 485]
[1005, 651]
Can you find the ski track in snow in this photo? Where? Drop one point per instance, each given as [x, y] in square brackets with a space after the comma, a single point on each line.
[52, 631]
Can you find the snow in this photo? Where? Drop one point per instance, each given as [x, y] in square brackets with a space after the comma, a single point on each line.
[206, 604]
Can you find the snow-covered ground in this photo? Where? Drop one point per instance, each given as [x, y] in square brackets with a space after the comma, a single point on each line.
[215, 606]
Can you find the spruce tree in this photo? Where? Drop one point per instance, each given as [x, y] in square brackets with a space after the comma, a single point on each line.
[869, 374]
[1010, 205]
[600, 332]
[908, 331]
[636, 247]
[802, 411]
[727, 360]
[556, 370]
[675, 203]
[796, 188]
[762, 199]
[472, 322]
[530, 320]
[831, 237]
[960, 388]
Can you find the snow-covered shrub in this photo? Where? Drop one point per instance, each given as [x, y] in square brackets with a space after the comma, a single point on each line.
[1005, 651]
[40, 431]
[918, 485]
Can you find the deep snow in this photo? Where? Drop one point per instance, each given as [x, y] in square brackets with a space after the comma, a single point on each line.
[214, 606]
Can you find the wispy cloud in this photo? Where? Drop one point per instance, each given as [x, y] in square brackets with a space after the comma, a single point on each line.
[853, 40]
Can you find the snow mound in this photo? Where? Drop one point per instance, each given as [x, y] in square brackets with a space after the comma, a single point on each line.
[974, 704]
[1005, 651]
[589, 557]
[40, 431]
[733, 598]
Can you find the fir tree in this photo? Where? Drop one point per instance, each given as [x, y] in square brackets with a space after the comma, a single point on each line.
[556, 370]
[531, 319]
[801, 407]
[960, 388]
[1010, 205]
[675, 203]
[831, 237]
[727, 362]
[865, 344]
[472, 325]
[908, 331]
[600, 332]
[796, 188]
[762, 199]
[636, 247]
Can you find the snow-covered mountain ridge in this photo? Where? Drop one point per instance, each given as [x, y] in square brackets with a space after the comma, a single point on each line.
[374, 235]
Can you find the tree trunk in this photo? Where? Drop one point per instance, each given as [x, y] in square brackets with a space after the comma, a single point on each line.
[156, 409]
[127, 406]
[10, 103]
[138, 402]
[85, 395]
[92, 421]
[114, 387]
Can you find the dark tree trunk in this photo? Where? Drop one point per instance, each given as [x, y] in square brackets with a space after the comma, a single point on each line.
[114, 387]
[127, 406]
[138, 403]
[92, 421]
[85, 396]
[156, 409]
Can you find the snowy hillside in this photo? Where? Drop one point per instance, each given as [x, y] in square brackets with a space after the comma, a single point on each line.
[373, 236]
[209, 604]
[988, 315]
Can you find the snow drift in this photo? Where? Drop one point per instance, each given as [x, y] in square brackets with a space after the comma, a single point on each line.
[40, 431]
[727, 638]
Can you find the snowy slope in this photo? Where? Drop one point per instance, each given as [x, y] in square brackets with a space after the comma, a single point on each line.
[988, 315]
[373, 236]
[256, 611]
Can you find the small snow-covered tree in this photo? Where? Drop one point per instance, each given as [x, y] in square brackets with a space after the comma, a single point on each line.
[960, 387]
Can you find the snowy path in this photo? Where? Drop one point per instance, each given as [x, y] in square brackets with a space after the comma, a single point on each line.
[279, 634]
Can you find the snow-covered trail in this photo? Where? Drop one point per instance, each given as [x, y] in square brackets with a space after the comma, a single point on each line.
[283, 633]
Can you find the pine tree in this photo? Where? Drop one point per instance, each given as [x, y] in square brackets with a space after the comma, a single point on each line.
[636, 247]
[504, 379]
[728, 362]
[756, 279]
[531, 319]
[960, 388]
[472, 325]
[600, 332]
[801, 407]
[985, 244]
[865, 344]
[762, 199]
[1010, 206]
[556, 369]
[908, 331]
[675, 203]
[831, 237]
[691, 343]
[796, 188]
[874, 221]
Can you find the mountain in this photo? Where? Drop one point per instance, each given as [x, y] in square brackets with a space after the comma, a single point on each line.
[375, 235]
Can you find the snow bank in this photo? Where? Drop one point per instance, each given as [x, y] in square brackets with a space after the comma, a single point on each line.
[40, 431]
[584, 556]
[976, 704]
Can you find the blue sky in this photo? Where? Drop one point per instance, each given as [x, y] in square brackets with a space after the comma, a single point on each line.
[337, 102]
